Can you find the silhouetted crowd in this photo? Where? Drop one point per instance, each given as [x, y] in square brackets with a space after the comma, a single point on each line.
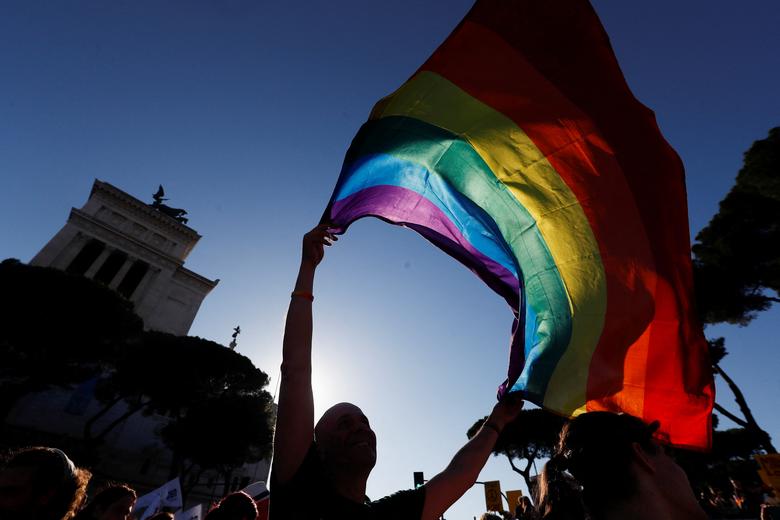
[605, 466]
[41, 483]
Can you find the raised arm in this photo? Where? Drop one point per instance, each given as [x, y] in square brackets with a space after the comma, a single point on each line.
[295, 416]
[448, 486]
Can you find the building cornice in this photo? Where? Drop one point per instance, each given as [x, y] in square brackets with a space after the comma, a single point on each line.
[103, 188]
[193, 277]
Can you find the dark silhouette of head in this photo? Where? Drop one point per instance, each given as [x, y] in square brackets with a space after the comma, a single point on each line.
[112, 502]
[235, 506]
[604, 461]
[41, 484]
[345, 440]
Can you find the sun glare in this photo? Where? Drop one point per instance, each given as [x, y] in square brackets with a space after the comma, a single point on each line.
[329, 379]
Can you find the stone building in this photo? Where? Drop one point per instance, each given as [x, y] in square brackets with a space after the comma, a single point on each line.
[137, 250]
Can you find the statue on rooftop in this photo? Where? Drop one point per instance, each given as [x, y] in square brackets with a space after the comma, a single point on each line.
[236, 332]
[176, 213]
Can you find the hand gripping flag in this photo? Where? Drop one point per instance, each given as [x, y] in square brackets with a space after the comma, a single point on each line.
[519, 149]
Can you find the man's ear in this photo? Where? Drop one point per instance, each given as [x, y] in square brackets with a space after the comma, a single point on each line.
[642, 458]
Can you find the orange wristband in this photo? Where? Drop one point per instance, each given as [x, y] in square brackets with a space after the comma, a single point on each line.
[303, 294]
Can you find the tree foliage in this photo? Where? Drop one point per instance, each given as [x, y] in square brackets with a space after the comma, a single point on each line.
[737, 275]
[166, 374]
[737, 255]
[737, 260]
[57, 329]
[172, 372]
[219, 413]
[221, 433]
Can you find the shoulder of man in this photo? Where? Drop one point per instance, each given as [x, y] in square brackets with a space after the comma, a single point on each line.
[299, 497]
[407, 504]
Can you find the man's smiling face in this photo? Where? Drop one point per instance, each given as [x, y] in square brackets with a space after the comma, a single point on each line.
[345, 438]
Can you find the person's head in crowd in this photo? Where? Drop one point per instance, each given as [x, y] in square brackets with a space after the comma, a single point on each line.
[41, 484]
[525, 509]
[345, 440]
[162, 515]
[490, 516]
[608, 466]
[235, 506]
[112, 502]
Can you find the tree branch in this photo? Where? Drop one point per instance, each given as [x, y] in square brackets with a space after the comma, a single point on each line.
[531, 460]
[731, 416]
[517, 470]
[739, 397]
[511, 463]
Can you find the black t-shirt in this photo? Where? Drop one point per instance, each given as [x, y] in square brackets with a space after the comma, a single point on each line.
[309, 496]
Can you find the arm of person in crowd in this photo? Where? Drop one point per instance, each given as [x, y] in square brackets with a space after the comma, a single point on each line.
[295, 416]
[448, 486]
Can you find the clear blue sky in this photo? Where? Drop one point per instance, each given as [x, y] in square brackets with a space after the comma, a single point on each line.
[243, 111]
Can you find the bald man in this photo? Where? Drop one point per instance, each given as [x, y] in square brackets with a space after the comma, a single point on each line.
[321, 472]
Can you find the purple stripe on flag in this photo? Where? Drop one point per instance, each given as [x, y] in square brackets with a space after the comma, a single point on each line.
[404, 206]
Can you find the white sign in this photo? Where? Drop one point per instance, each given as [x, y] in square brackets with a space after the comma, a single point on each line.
[167, 495]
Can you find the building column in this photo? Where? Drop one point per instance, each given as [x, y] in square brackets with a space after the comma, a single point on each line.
[144, 296]
[98, 262]
[61, 259]
[119, 276]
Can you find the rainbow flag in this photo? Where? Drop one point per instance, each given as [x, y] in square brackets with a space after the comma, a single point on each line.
[519, 149]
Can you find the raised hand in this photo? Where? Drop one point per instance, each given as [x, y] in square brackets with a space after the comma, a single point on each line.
[314, 243]
[506, 410]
